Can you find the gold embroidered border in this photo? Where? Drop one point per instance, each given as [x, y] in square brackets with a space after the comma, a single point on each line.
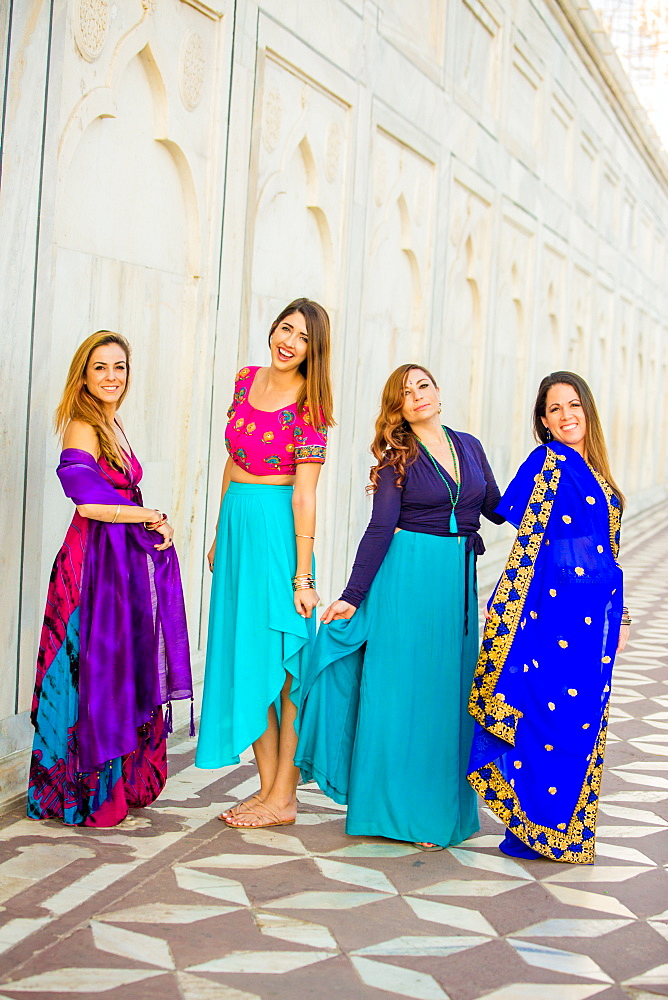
[490, 710]
[557, 845]
[614, 510]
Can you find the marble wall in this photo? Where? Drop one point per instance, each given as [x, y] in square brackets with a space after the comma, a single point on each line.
[463, 183]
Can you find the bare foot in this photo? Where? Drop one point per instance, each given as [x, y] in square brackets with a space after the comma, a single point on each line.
[240, 807]
[263, 814]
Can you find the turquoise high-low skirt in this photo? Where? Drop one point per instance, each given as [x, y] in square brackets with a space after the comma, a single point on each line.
[256, 636]
[384, 723]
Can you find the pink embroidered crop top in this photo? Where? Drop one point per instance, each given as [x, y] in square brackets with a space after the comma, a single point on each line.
[270, 442]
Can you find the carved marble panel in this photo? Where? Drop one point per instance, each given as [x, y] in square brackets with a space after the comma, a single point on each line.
[478, 55]
[462, 365]
[418, 27]
[511, 388]
[297, 218]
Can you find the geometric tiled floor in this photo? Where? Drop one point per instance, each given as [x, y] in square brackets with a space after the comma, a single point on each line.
[172, 905]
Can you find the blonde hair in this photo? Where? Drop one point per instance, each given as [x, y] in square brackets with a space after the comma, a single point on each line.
[395, 442]
[76, 403]
[316, 392]
[596, 452]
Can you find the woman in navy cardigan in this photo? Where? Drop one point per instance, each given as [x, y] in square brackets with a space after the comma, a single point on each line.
[384, 725]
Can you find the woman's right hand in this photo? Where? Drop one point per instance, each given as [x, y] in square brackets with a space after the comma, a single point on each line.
[211, 555]
[338, 610]
[167, 532]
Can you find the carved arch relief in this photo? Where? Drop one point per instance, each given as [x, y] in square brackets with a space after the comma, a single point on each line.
[296, 221]
[128, 191]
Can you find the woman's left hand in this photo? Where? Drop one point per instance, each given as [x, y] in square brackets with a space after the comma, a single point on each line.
[623, 638]
[167, 533]
[306, 601]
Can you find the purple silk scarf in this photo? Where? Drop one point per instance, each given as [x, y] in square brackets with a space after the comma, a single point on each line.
[134, 652]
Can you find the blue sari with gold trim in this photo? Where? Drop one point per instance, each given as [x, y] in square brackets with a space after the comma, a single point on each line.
[542, 683]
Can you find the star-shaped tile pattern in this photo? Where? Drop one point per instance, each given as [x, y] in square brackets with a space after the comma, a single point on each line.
[175, 906]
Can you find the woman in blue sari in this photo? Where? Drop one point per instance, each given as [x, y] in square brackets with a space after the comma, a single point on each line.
[541, 690]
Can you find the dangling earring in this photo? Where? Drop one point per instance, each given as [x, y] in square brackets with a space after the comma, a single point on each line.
[548, 436]
[439, 407]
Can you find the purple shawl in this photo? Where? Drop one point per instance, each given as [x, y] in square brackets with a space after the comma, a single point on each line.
[134, 652]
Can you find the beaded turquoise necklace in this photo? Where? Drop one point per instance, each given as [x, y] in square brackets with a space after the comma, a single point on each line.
[453, 500]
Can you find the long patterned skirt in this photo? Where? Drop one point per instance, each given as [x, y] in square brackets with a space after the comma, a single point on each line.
[57, 789]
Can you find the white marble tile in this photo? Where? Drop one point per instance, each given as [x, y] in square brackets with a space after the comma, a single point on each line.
[469, 887]
[642, 765]
[300, 932]
[129, 944]
[365, 850]
[319, 800]
[239, 861]
[633, 778]
[315, 819]
[211, 885]
[589, 900]
[629, 832]
[324, 900]
[398, 981]
[19, 929]
[164, 913]
[636, 815]
[660, 927]
[486, 840]
[197, 988]
[658, 976]
[453, 916]
[274, 841]
[491, 863]
[86, 887]
[628, 795]
[660, 749]
[545, 991]
[79, 980]
[244, 789]
[192, 780]
[10, 887]
[420, 947]
[38, 861]
[555, 960]
[597, 873]
[264, 962]
[573, 927]
[368, 878]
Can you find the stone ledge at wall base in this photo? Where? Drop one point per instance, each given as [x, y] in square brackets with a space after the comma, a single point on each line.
[14, 763]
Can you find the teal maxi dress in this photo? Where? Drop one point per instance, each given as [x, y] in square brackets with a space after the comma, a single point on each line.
[383, 722]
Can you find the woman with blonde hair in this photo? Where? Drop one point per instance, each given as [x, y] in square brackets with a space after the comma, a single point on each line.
[114, 644]
[556, 620]
[383, 723]
[260, 620]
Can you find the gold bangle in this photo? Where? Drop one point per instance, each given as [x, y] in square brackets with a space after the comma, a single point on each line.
[118, 510]
[297, 535]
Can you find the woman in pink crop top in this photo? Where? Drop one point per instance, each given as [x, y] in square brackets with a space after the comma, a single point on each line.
[260, 619]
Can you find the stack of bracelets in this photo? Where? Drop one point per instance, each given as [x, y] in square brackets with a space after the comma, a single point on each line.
[626, 620]
[154, 525]
[303, 582]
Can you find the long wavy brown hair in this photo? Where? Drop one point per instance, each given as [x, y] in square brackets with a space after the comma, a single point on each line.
[595, 450]
[395, 443]
[76, 403]
[316, 392]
